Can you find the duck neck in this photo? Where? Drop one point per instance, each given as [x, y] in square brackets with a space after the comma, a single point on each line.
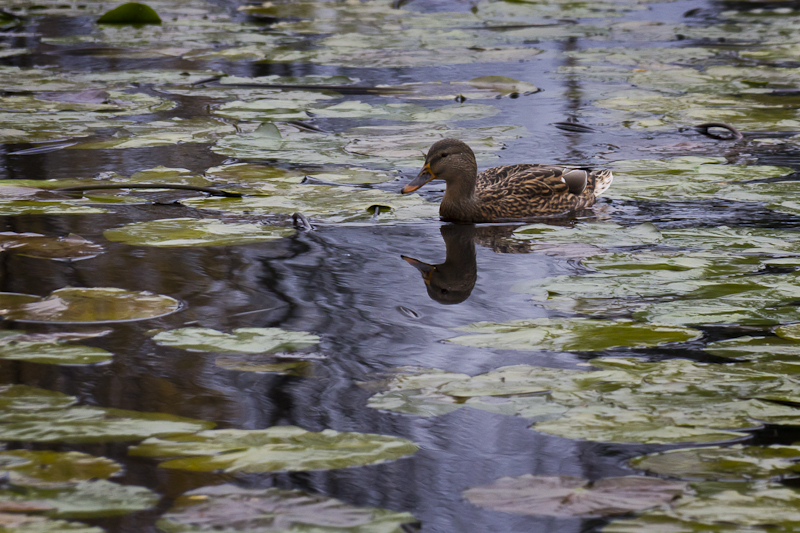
[460, 199]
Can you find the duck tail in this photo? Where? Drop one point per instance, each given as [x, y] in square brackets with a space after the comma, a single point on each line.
[602, 181]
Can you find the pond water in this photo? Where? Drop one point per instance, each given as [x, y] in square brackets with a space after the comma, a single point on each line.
[136, 319]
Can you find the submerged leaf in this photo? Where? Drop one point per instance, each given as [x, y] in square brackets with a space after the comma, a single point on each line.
[277, 449]
[566, 496]
[273, 510]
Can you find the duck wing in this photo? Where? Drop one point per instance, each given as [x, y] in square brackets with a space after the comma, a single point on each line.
[532, 180]
[530, 190]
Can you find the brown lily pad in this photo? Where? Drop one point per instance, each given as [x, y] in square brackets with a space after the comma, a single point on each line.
[567, 496]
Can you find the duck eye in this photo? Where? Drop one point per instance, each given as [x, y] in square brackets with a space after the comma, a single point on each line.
[445, 155]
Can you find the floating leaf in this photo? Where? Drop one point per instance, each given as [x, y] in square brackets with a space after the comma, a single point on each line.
[89, 305]
[627, 400]
[70, 248]
[163, 133]
[131, 13]
[227, 507]
[730, 463]
[567, 496]
[194, 232]
[264, 363]
[242, 340]
[86, 499]
[689, 178]
[756, 348]
[19, 523]
[36, 415]
[335, 204]
[790, 332]
[597, 234]
[385, 146]
[573, 334]
[722, 508]
[277, 449]
[51, 348]
[46, 469]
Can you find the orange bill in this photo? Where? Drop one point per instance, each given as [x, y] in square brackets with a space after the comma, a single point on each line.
[425, 175]
[424, 268]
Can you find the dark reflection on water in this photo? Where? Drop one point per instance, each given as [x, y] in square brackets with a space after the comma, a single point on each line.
[451, 282]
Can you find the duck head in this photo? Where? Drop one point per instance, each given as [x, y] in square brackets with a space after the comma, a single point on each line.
[450, 160]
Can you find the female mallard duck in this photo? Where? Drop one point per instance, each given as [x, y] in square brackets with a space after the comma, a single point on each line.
[507, 192]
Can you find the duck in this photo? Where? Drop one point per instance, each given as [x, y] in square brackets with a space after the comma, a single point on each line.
[509, 192]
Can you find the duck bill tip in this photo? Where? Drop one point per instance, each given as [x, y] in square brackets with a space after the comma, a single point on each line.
[425, 175]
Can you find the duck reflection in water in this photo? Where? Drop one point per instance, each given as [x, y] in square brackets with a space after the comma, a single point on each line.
[451, 282]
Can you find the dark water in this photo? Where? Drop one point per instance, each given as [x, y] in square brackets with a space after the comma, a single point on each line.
[351, 286]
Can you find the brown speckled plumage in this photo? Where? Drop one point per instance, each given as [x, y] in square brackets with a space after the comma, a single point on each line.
[508, 192]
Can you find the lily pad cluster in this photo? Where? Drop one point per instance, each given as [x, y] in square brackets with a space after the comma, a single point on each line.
[691, 276]
[625, 400]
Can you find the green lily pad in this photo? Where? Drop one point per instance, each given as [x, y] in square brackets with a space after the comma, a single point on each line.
[383, 146]
[756, 348]
[163, 133]
[751, 305]
[574, 334]
[789, 332]
[405, 112]
[627, 281]
[230, 508]
[51, 348]
[688, 178]
[85, 499]
[723, 508]
[567, 496]
[626, 400]
[733, 463]
[69, 248]
[335, 204]
[265, 363]
[47, 469]
[36, 415]
[194, 232]
[131, 13]
[596, 234]
[242, 340]
[277, 449]
[20, 523]
[71, 114]
[291, 105]
[653, 110]
[88, 306]
[36, 207]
